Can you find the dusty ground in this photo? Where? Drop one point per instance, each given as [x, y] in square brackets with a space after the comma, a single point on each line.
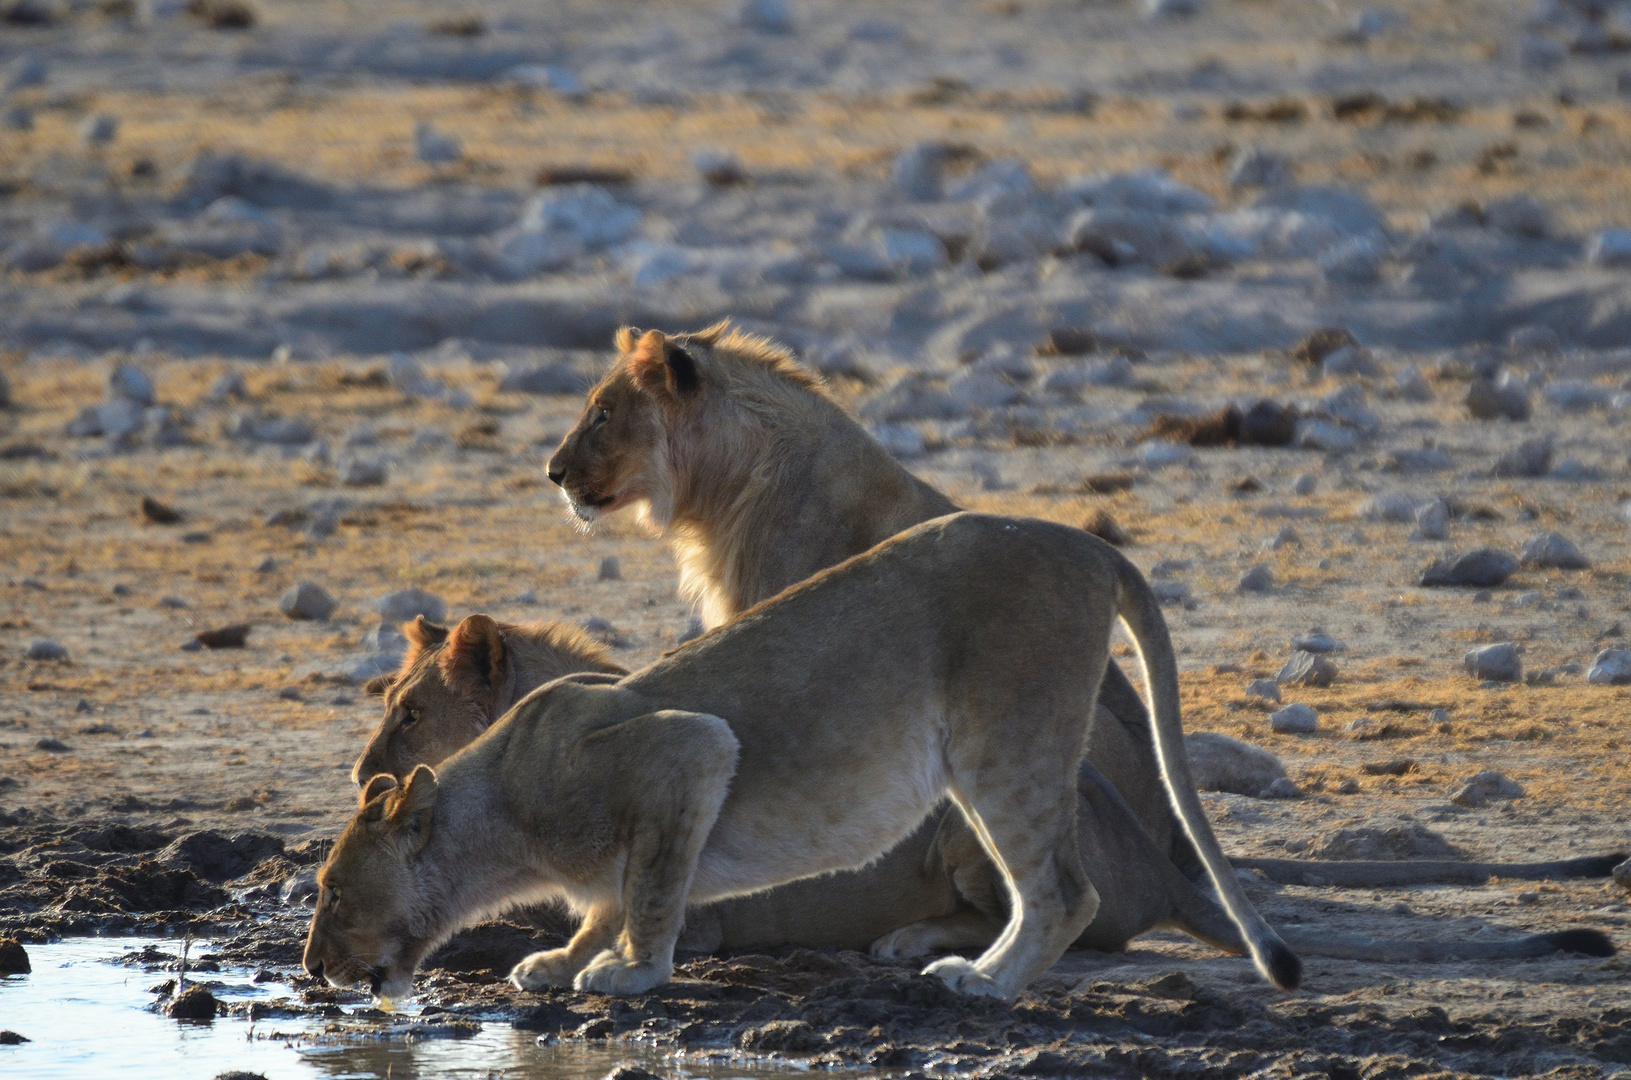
[376, 250]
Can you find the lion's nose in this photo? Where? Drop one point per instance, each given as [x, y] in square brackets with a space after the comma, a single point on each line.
[556, 474]
[314, 968]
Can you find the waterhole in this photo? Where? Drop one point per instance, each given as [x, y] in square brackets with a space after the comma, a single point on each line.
[88, 1010]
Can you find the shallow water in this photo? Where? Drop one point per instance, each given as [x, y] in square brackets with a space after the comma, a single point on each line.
[89, 1016]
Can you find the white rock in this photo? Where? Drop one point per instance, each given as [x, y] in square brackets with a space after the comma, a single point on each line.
[560, 225]
[131, 384]
[1267, 689]
[919, 171]
[1611, 247]
[1553, 551]
[1150, 190]
[546, 77]
[912, 252]
[1295, 719]
[1257, 167]
[1326, 435]
[1497, 663]
[99, 129]
[435, 147]
[1577, 395]
[1432, 520]
[1158, 453]
[1305, 484]
[307, 600]
[1611, 668]
[1072, 380]
[401, 605]
[1355, 261]
[1392, 506]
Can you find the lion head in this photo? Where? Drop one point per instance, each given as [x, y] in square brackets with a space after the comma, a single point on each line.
[374, 921]
[668, 409]
[453, 684]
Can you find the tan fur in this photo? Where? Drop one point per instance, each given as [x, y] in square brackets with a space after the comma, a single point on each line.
[728, 767]
[453, 684]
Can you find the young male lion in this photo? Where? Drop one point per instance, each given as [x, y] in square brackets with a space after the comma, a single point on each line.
[810, 735]
[724, 442]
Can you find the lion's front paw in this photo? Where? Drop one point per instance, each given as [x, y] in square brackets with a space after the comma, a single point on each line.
[963, 977]
[609, 973]
[541, 969]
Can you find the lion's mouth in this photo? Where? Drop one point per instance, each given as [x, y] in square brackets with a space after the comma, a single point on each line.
[587, 505]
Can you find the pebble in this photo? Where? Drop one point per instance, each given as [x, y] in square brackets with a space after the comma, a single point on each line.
[174, 602]
[402, 605]
[301, 888]
[307, 600]
[1295, 719]
[195, 1003]
[45, 649]
[435, 147]
[99, 129]
[605, 633]
[1611, 247]
[766, 16]
[1283, 788]
[1316, 641]
[1532, 457]
[362, 472]
[919, 171]
[1259, 579]
[290, 693]
[1495, 663]
[1267, 689]
[1488, 399]
[1553, 551]
[720, 168]
[1286, 537]
[1432, 521]
[1485, 786]
[11, 1038]
[610, 569]
[266, 565]
[1622, 874]
[1257, 167]
[1305, 484]
[13, 958]
[544, 379]
[1307, 669]
[1612, 667]
[51, 745]
[1479, 568]
[131, 384]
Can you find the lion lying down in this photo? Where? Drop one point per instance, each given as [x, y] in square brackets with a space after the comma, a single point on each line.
[732, 766]
[936, 890]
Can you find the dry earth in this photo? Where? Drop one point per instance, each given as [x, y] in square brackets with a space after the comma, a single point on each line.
[345, 246]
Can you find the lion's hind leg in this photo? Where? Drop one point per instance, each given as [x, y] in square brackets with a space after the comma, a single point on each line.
[1030, 833]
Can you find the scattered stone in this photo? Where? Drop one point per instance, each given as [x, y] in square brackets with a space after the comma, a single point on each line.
[1612, 667]
[13, 958]
[1267, 689]
[1611, 247]
[1482, 568]
[158, 513]
[1485, 786]
[1305, 484]
[1489, 399]
[1622, 874]
[1392, 506]
[1283, 788]
[721, 168]
[45, 649]
[1495, 663]
[235, 636]
[1349, 786]
[610, 569]
[605, 633]
[1316, 641]
[1286, 537]
[362, 472]
[1259, 579]
[1432, 521]
[11, 1038]
[919, 171]
[766, 16]
[1295, 719]
[301, 889]
[195, 1003]
[99, 129]
[555, 379]
[402, 605]
[1307, 669]
[1519, 215]
[1577, 395]
[1387, 843]
[307, 600]
[51, 745]
[1532, 457]
[1257, 167]
[435, 147]
[1552, 551]
[1354, 261]
[1221, 763]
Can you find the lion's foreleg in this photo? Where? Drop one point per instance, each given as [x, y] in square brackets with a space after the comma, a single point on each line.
[558, 967]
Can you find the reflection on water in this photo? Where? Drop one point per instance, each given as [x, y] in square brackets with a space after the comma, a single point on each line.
[88, 1016]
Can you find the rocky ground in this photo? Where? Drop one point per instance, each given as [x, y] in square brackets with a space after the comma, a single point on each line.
[324, 291]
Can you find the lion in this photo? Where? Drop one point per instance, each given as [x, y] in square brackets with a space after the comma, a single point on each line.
[723, 441]
[936, 890]
[731, 766]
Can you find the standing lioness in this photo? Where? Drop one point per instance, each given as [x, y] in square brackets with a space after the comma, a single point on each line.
[810, 735]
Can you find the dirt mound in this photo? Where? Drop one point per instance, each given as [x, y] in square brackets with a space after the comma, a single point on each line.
[146, 887]
[122, 839]
[493, 947]
[1392, 844]
[217, 857]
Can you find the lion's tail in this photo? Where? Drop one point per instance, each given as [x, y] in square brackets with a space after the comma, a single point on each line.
[1136, 605]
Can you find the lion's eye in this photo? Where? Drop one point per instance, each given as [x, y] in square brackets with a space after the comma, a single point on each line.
[329, 897]
[601, 416]
[410, 717]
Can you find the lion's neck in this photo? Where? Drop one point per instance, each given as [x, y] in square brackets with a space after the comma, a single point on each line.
[544, 652]
[763, 508]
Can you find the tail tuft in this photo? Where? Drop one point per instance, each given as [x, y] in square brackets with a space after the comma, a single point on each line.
[1584, 942]
[1281, 965]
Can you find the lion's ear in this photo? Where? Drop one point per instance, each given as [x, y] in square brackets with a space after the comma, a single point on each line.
[474, 656]
[377, 686]
[412, 811]
[424, 633]
[373, 795]
[661, 367]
